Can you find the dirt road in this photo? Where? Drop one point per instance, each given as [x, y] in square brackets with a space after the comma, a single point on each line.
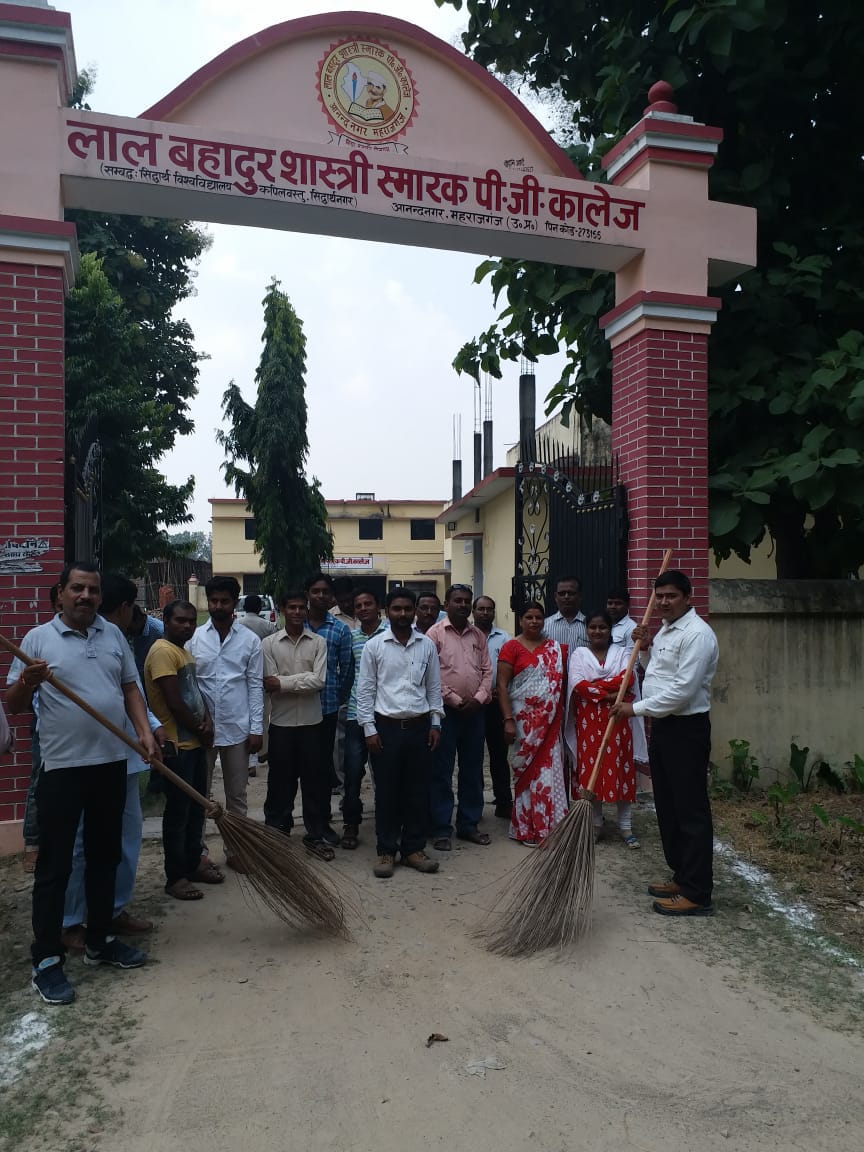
[255, 1039]
[654, 1036]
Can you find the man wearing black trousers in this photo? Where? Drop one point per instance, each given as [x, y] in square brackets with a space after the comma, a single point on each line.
[399, 708]
[676, 694]
[496, 745]
[83, 771]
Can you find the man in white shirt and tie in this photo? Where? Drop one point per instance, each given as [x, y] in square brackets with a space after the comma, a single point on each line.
[399, 708]
[676, 694]
[230, 672]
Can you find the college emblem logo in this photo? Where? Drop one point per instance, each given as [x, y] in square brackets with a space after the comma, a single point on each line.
[366, 90]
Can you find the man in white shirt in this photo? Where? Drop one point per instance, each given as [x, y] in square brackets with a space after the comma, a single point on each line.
[230, 673]
[496, 745]
[567, 625]
[618, 607]
[676, 694]
[399, 708]
[295, 671]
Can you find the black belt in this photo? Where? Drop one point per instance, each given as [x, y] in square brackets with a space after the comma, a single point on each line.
[402, 721]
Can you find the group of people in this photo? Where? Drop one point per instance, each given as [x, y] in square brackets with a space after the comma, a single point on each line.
[415, 696]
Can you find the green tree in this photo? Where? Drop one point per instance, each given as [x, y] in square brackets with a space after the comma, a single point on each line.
[103, 380]
[782, 79]
[195, 545]
[266, 448]
[148, 265]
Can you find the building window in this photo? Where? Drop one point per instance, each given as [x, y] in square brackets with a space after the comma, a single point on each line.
[422, 529]
[372, 529]
[253, 584]
[249, 530]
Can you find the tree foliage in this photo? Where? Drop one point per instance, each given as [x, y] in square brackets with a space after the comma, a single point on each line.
[139, 384]
[103, 379]
[266, 448]
[782, 79]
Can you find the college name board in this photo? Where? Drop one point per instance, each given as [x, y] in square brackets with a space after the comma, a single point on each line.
[348, 179]
[348, 564]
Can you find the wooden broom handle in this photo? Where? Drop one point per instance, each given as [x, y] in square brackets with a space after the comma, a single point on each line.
[625, 683]
[178, 781]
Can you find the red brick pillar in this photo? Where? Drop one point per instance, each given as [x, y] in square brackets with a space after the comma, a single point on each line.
[660, 433]
[35, 270]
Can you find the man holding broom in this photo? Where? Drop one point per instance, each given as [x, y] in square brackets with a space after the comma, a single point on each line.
[84, 770]
[676, 694]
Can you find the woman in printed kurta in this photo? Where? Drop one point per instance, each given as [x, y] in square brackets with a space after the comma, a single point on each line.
[530, 689]
[595, 674]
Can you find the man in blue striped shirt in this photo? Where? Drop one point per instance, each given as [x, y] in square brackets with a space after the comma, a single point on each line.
[340, 677]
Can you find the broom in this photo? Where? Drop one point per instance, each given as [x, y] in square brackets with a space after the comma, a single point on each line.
[550, 892]
[276, 871]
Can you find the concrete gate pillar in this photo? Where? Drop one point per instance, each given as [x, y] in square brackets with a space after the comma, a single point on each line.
[659, 331]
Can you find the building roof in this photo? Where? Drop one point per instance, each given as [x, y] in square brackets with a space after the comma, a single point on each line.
[488, 489]
[331, 500]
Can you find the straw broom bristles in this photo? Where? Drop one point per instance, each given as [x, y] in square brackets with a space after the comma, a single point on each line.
[275, 870]
[550, 894]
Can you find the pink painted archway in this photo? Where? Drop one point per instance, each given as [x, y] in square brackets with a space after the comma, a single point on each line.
[352, 124]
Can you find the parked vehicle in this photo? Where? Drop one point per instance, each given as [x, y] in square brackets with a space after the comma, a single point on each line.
[268, 608]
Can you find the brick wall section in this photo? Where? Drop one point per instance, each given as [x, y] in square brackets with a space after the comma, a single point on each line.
[31, 471]
[660, 433]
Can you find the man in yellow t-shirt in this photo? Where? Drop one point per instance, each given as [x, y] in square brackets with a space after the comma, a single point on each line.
[175, 698]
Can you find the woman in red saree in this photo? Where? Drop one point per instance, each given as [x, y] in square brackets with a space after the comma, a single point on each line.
[595, 674]
[530, 691]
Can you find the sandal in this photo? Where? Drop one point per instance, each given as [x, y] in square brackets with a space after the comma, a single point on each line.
[475, 837]
[630, 840]
[208, 873]
[183, 890]
[319, 848]
[442, 844]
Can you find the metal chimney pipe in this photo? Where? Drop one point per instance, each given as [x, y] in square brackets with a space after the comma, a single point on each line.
[478, 458]
[487, 447]
[457, 481]
[527, 409]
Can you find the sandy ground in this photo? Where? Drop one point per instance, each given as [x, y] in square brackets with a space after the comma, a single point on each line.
[252, 1037]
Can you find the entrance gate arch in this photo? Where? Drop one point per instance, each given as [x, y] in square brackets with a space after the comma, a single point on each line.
[357, 125]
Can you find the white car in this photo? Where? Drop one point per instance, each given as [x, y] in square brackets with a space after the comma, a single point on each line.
[268, 608]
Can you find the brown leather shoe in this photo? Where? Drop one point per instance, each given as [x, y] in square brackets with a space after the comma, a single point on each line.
[680, 906]
[420, 862]
[663, 891]
[72, 938]
[384, 868]
[128, 925]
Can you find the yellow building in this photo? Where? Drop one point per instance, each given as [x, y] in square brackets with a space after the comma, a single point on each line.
[380, 544]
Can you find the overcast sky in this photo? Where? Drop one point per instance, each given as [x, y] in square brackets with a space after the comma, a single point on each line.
[380, 408]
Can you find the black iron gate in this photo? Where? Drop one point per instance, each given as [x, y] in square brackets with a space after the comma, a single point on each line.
[83, 496]
[571, 520]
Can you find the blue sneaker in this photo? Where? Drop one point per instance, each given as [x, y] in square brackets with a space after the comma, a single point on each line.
[50, 981]
[115, 953]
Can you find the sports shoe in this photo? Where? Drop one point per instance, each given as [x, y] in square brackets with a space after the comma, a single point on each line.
[420, 862]
[331, 836]
[49, 980]
[115, 953]
[663, 891]
[384, 868]
[680, 906]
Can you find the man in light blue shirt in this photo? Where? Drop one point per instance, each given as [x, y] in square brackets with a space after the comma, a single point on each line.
[84, 771]
[496, 745]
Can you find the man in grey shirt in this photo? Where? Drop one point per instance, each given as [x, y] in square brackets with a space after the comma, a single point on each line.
[83, 771]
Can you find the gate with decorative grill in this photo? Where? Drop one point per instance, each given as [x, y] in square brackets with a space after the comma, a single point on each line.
[571, 520]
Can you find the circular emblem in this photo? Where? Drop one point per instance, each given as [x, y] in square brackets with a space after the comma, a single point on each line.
[367, 90]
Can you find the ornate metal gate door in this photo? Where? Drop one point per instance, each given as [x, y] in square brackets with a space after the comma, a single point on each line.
[571, 520]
